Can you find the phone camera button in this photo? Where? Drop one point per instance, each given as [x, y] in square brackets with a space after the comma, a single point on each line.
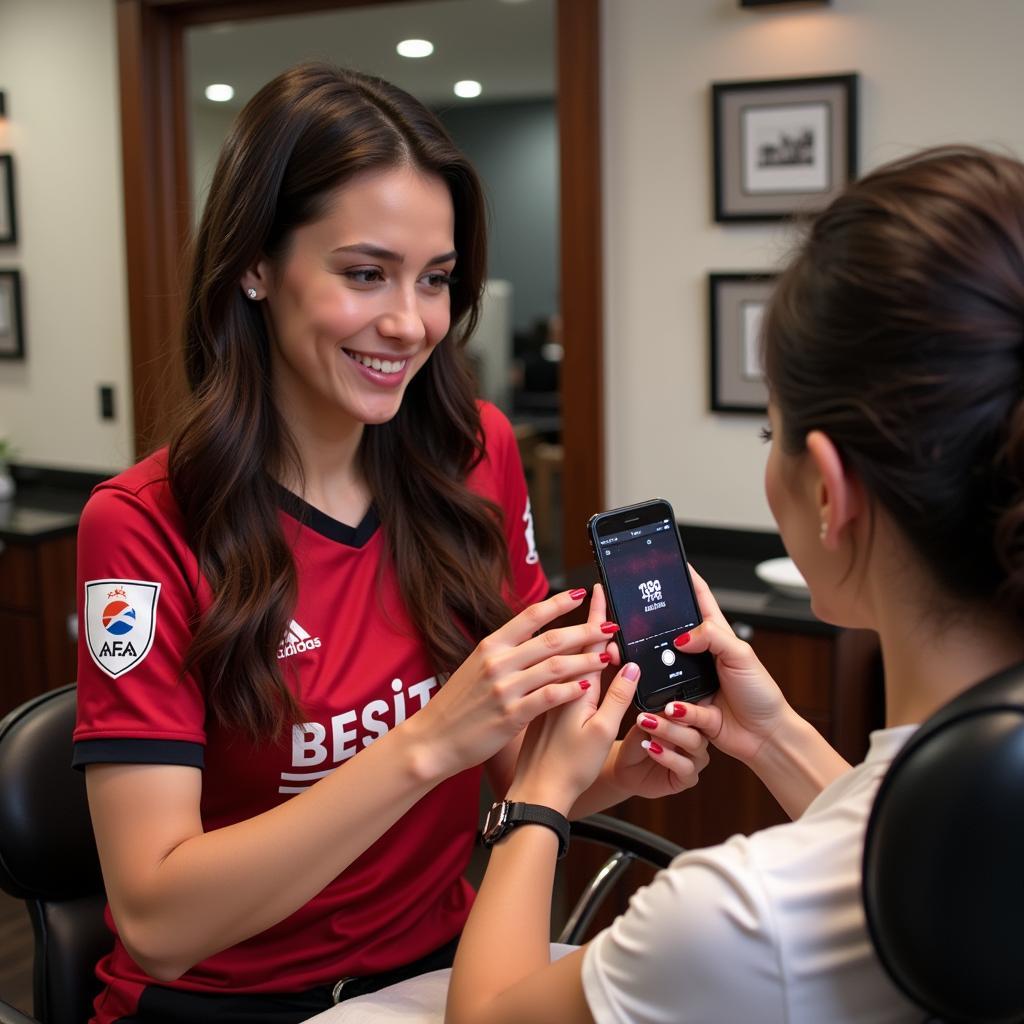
[668, 656]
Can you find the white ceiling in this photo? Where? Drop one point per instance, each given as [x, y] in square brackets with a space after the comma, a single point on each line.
[507, 46]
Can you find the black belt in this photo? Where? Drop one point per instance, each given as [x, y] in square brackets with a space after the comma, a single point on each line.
[349, 988]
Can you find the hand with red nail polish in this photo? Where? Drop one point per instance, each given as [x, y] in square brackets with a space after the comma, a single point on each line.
[748, 717]
[518, 672]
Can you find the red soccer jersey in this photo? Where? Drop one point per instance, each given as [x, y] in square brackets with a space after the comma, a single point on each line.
[361, 669]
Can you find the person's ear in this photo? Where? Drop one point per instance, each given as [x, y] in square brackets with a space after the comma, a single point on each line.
[838, 492]
[256, 280]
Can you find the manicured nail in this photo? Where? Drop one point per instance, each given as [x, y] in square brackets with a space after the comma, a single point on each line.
[605, 658]
[676, 710]
[652, 746]
[584, 685]
[648, 722]
[631, 671]
[609, 627]
[682, 640]
[578, 594]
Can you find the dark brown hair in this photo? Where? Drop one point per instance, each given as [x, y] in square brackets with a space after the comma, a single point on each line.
[302, 136]
[898, 330]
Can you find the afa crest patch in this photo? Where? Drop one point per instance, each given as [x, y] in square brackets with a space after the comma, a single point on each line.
[120, 622]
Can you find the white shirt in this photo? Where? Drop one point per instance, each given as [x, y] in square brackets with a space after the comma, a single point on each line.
[767, 928]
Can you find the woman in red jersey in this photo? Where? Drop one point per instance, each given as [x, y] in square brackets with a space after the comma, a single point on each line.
[311, 619]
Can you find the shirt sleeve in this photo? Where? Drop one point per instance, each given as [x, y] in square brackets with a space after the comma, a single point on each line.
[697, 944]
[529, 583]
[136, 610]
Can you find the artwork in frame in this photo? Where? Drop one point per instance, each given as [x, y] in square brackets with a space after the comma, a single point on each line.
[12, 326]
[736, 304]
[782, 147]
[8, 221]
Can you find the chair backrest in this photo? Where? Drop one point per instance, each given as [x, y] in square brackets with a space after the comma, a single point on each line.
[943, 878]
[48, 855]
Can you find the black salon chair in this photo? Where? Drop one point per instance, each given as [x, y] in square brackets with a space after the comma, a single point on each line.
[943, 875]
[48, 858]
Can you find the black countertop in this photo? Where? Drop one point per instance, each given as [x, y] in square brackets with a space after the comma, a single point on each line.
[46, 504]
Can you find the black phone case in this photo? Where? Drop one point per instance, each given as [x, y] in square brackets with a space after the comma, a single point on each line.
[691, 688]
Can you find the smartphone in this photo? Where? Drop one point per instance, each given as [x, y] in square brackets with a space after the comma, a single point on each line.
[646, 580]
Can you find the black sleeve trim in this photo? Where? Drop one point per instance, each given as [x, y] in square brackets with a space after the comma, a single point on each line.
[137, 751]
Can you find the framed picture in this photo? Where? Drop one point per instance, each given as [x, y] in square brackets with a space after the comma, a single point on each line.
[736, 304]
[8, 223]
[782, 147]
[12, 331]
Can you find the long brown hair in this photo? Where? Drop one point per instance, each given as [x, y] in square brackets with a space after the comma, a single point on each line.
[898, 330]
[300, 137]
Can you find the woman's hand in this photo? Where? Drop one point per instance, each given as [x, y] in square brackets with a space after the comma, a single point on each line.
[510, 678]
[564, 751]
[749, 707]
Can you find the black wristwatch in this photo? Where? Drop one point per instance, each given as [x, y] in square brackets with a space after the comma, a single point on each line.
[506, 815]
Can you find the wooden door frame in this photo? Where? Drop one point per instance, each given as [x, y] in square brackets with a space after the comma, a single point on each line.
[157, 222]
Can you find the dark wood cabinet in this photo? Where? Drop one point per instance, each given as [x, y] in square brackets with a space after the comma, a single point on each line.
[37, 613]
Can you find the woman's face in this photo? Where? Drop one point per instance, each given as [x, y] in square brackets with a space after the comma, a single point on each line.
[360, 299]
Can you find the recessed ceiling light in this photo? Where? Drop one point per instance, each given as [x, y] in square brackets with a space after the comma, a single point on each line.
[415, 48]
[219, 93]
[467, 88]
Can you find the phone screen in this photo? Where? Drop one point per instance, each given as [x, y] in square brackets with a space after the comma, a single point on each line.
[650, 596]
[649, 586]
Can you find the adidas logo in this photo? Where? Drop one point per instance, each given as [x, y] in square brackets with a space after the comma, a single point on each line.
[296, 640]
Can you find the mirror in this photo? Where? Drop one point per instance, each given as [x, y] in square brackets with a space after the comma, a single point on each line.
[509, 131]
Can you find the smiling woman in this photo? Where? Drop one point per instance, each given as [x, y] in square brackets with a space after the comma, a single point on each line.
[323, 561]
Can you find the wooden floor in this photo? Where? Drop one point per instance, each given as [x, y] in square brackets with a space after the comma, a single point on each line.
[15, 954]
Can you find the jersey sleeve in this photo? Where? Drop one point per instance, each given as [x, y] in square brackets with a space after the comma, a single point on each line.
[697, 944]
[137, 606]
[529, 583]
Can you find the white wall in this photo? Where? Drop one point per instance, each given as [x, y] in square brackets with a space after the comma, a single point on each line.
[58, 68]
[931, 71]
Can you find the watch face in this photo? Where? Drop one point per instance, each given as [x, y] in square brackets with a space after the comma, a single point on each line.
[496, 822]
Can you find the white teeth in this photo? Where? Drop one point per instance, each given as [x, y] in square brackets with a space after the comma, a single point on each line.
[380, 365]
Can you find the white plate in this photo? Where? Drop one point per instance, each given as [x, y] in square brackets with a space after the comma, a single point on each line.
[784, 576]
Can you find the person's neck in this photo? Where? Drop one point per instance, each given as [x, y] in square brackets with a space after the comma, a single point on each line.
[332, 479]
[929, 660]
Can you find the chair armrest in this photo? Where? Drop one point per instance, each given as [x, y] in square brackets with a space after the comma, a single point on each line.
[629, 843]
[9, 1015]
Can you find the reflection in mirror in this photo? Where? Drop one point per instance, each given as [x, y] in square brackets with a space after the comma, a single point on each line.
[509, 131]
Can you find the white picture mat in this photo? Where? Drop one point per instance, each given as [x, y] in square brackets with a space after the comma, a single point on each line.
[6, 213]
[753, 362]
[763, 126]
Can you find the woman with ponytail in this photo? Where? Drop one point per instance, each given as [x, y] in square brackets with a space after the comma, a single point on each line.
[894, 351]
[309, 621]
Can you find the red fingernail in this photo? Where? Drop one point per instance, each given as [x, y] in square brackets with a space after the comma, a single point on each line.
[653, 746]
[648, 722]
[584, 685]
[608, 627]
[578, 594]
[682, 640]
[605, 658]
[678, 711]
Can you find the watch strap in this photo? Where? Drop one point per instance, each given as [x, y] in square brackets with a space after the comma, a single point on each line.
[507, 815]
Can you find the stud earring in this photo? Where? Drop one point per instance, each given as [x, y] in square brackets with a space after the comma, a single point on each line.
[823, 532]
[251, 292]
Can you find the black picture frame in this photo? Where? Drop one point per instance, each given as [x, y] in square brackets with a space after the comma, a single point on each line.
[782, 147]
[736, 302]
[8, 213]
[12, 322]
